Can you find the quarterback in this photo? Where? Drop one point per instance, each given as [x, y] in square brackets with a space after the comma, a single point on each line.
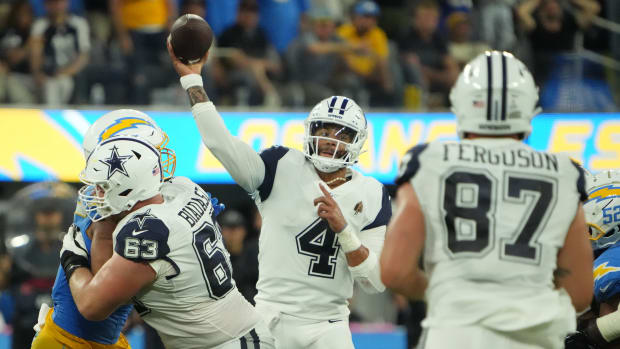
[323, 222]
[62, 325]
[501, 225]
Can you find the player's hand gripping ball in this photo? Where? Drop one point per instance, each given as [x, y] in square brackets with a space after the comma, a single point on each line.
[190, 37]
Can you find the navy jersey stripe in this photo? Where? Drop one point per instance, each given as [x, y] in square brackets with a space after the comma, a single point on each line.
[490, 86]
[385, 213]
[270, 157]
[255, 339]
[581, 182]
[504, 86]
[410, 164]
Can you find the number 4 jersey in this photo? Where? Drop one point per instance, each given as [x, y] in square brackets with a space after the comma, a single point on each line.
[302, 270]
[496, 213]
[193, 302]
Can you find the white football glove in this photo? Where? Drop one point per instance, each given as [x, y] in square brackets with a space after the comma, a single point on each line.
[73, 254]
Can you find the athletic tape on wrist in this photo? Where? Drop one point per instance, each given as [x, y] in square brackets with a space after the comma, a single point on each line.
[348, 239]
[191, 80]
[609, 326]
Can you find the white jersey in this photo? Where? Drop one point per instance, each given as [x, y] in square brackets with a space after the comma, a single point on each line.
[193, 302]
[302, 270]
[496, 213]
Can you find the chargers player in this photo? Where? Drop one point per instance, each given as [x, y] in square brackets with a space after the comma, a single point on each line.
[323, 222]
[603, 218]
[501, 224]
[169, 257]
[63, 326]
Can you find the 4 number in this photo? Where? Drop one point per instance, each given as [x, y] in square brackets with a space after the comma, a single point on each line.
[320, 243]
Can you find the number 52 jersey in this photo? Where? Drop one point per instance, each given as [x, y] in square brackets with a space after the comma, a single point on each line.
[496, 213]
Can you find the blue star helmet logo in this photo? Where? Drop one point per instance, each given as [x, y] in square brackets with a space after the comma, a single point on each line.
[142, 217]
[116, 163]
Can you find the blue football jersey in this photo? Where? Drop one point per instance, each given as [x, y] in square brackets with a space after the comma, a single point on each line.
[607, 274]
[66, 314]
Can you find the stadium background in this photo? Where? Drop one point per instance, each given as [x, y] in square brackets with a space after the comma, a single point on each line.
[40, 137]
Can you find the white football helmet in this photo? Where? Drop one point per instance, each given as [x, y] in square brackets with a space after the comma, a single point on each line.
[341, 111]
[119, 172]
[602, 209]
[132, 123]
[495, 94]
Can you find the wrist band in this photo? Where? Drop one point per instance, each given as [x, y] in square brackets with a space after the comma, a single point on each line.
[609, 326]
[191, 80]
[348, 239]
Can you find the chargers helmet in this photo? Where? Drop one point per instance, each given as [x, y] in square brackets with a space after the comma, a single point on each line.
[495, 94]
[119, 172]
[132, 123]
[602, 209]
[341, 111]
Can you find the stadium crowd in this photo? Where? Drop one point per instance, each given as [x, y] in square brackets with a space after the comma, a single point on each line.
[399, 54]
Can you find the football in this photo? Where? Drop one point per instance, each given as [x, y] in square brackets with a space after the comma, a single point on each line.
[190, 37]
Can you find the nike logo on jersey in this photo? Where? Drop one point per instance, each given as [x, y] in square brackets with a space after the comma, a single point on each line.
[604, 289]
[136, 233]
[332, 321]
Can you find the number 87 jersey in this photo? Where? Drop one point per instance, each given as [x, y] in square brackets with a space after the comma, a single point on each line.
[496, 213]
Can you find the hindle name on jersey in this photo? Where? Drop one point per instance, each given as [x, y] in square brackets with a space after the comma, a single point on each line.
[522, 158]
[196, 207]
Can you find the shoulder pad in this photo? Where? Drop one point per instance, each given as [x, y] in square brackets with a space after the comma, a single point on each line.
[410, 164]
[385, 212]
[143, 238]
[607, 275]
[270, 157]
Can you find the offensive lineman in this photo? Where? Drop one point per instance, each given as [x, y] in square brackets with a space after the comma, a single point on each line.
[63, 325]
[500, 223]
[323, 222]
[168, 257]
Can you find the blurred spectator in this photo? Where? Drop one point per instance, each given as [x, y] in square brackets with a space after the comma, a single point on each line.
[195, 7]
[461, 47]
[142, 27]
[497, 24]
[221, 14]
[337, 9]
[15, 57]
[60, 45]
[248, 61]
[315, 58]
[40, 214]
[281, 20]
[551, 29]
[425, 54]
[243, 252]
[76, 7]
[370, 61]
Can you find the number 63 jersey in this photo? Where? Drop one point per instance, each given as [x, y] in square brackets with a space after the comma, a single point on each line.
[496, 213]
[193, 302]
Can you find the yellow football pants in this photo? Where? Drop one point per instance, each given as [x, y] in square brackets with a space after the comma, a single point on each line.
[53, 337]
